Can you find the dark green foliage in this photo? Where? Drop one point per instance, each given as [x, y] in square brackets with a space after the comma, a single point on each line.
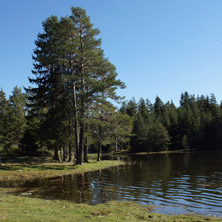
[73, 78]
[157, 138]
[195, 124]
[140, 131]
[131, 108]
[121, 125]
[12, 120]
[17, 115]
[25, 128]
[4, 118]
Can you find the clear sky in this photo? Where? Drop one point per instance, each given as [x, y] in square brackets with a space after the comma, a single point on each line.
[159, 47]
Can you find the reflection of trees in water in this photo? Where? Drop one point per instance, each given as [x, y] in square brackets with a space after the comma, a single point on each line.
[72, 187]
[164, 174]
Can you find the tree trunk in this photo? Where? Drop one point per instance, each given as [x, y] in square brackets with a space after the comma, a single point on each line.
[86, 150]
[56, 154]
[79, 150]
[63, 153]
[76, 122]
[116, 144]
[76, 125]
[79, 159]
[99, 152]
[70, 153]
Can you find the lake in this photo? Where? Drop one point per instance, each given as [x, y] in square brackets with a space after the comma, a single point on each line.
[176, 183]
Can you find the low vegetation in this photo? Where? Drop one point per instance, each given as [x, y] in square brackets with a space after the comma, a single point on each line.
[19, 208]
[29, 168]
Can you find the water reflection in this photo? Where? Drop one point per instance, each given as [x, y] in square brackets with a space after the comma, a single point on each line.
[176, 183]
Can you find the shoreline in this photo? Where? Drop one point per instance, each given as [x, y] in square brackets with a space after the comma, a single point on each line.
[27, 208]
[20, 208]
[48, 168]
[126, 152]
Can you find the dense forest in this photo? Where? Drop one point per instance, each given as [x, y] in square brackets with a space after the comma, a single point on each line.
[69, 107]
[195, 124]
[137, 126]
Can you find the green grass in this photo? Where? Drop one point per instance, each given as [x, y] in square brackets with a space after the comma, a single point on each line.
[38, 168]
[18, 208]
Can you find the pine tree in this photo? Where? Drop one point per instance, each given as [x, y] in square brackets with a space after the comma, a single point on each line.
[140, 132]
[4, 117]
[158, 138]
[131, 108]
[101, 126]
[142, 109]
[49, 100]
[93, 76]
[121, 125]
[18, 104]
[174, 128]
[72, 74]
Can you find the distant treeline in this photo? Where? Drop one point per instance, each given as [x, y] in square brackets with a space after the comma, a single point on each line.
[195, 124]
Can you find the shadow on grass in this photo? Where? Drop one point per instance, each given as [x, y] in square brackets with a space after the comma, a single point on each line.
[28, 160]
[53, 167]
[40, 163]
[6, 168]
[37, 167]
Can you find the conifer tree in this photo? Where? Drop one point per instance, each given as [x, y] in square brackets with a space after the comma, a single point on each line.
[121, 125]
[158, 138]
[158, 107]
[93, 76]
[12, 120]
[17, 116]
[72, 73]
[4, 117]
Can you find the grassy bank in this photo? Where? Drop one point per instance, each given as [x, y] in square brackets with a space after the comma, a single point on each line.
[29, 168]
[18, 208]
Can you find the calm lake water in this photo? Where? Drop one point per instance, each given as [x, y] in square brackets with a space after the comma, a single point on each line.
[175, 183]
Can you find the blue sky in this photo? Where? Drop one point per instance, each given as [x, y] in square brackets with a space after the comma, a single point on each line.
[159, 47]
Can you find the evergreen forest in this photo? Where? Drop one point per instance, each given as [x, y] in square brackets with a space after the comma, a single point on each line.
[69, 107]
